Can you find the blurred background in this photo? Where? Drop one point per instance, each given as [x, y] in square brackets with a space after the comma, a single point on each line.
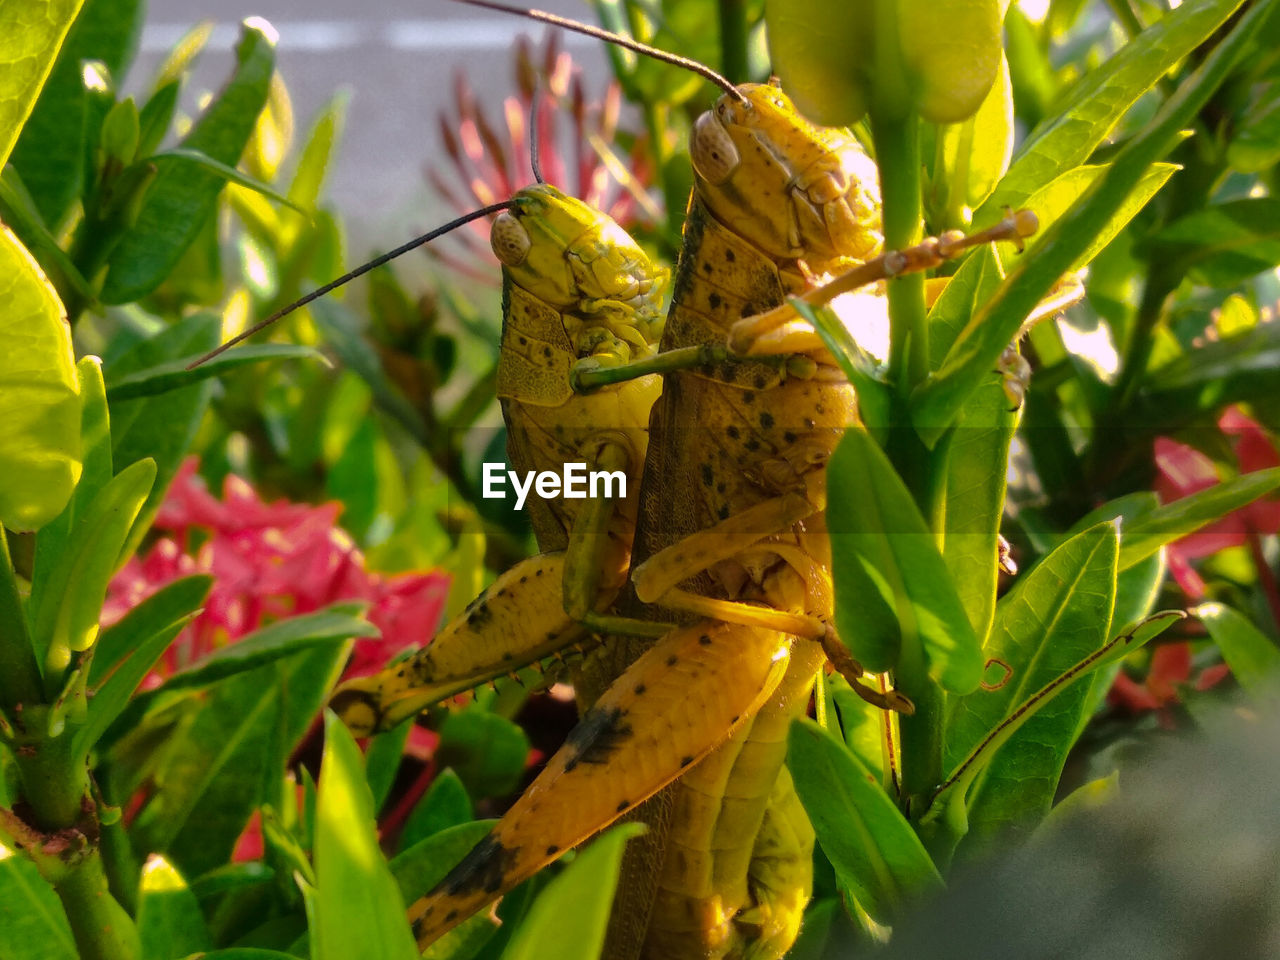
[397, 60]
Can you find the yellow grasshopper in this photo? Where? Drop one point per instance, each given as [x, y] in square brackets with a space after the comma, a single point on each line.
[576, 288]
[743, 495]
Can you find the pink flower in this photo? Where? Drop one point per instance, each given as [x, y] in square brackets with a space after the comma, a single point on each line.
[269, 561]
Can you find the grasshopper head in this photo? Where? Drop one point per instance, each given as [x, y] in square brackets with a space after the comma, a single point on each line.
[579, 261]
[794, 189]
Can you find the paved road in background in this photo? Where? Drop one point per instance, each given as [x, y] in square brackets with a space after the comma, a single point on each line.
[398, 59]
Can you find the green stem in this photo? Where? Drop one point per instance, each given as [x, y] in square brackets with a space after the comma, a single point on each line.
[20, 681]
[897, 143]
[102, 929]
[733, 39]
[921, 733]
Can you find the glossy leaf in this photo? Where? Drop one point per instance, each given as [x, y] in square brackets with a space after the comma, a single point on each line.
[170, 603]
[33, 925]
[864, 835]
[39, 392]
[51, 152]
[270, 643]
[359, 909]
[215, 768]
[179, 202]
[170, 923]
[1200, 382]
[977, 476]
[1149, 532]
[32, 33]
[573, 911]
[112, 696]
[162, 428]
[382, 760]
[487, 751]
[1226, 244]
[55, 537]
[1254, 658]
[1006, 746]
[446, 804]
[891, 582]
[174, 374]
[935, 404]
[1100, 98]
[67, 619]
[423, 865]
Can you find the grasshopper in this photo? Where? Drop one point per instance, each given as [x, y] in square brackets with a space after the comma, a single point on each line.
[777, 200]
[576, 288]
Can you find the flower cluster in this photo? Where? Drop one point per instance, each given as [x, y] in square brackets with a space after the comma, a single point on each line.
[1182, 470]
[268, 561]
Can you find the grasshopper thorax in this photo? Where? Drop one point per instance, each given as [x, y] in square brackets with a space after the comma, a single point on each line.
[794, 189]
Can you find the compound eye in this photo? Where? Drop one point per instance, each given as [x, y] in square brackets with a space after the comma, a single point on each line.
[510, 240]
[714, 155]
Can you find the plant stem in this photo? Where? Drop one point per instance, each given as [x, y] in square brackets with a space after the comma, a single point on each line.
[102, 929]
[733, 39]
[897, 143]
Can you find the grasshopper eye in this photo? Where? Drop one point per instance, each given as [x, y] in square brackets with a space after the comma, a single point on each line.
[510, 240]
[713, 153]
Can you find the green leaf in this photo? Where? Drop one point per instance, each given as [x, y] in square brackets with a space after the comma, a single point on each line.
[67, 618]
[1080, 802]
[864, 835]
[972, 284]
[53, 147]
[1006, 746]
[1201, 382]
[228, 173]
[162, 428]
[445, 805]
[1253, 657]
[33, 33]
[891, 583]
[338, 325]
[359, 910]
[33, 925]
[271, 643]
[170, 923]
[1223, 245]
[228, 756]
[39, 392]
[112, 695]
[487, 751]
[858, 365]
[1100, 98]
[571, 915]
[977, 471]
[174, 374]
[247, 953]
[1052, 202]
[1151, 531]
[938, 400]
[427, 862]
[170, 603]
[382, 760]
[18, 209]
[179, 202]
[1255, 144]
[313, 161]
[54, 537]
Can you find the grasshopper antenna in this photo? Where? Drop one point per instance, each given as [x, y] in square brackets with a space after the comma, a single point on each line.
[616, 39]
[534, 159]
[358, 271]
